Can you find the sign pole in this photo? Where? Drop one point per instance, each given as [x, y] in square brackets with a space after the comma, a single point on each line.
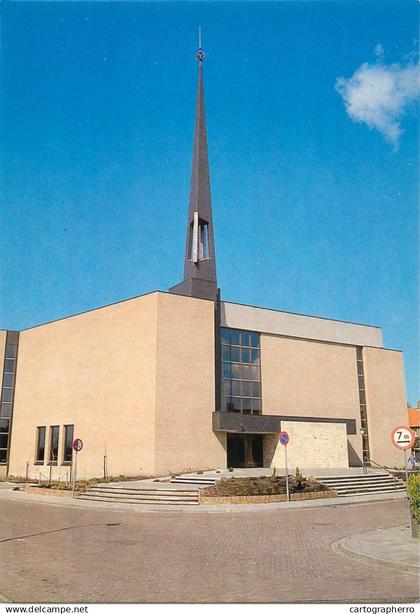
[406, 486]
[403, 438]
[74, 475]
[287, 474]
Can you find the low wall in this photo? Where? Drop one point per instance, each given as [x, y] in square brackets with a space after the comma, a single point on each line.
[207, 500]
[56, 492]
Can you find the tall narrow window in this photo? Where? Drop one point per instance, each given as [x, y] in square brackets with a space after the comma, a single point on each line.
[241, 371]
[68, 441]
[40, 445]
[54, 432]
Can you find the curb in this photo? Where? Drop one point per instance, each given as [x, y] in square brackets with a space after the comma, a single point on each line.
[4, 599]
[339, 547]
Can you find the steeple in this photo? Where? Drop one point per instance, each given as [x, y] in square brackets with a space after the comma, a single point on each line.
[200, 263]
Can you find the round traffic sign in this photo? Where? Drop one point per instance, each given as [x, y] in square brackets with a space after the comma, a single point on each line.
[77, 445]
[403, 437]
[284, 438]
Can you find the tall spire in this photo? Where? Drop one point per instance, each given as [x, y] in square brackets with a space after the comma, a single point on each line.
[200, 263]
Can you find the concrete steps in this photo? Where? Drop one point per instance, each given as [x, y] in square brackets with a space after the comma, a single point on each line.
[192, 479]
[366, 484]
[144, 496]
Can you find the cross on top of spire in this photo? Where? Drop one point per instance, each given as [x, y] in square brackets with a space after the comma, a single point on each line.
[200, 55]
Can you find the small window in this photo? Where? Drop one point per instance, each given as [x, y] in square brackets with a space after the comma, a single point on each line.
[245, 338]
[4, 441]
[226, 370]
[54, 433]
[40, 445]
[3, 456]
[68, 443]
[4, 426]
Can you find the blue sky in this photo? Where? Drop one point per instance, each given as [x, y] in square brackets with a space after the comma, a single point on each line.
[314, 179]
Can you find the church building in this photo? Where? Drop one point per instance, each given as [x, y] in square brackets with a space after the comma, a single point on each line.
[180, 381]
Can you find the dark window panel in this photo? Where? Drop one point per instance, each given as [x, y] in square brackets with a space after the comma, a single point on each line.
[236, 388]
[362, 396]
[234, 337]
[40, 444]
[68, 443]
[254, 373]
[4, 426]
[236, 403]
[245, 355]
[255, 340]
[226, 352]
[226, 370]
[225, 336]
[246, 404]
[3, 456]
[6, 395]
[236, 371]
[8, 380]
[245, 338]
[255, 356]
[235, 354]
[246, 389]
[5, 410]
[54, 434]
[256, 389]
[4, 441]
[9, 366]
[11, 351]
[256, 405]
[227, 387]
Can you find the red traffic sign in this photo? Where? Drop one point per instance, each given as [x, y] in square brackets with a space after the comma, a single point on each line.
[403, 437]
[284, 438]
[77, 445]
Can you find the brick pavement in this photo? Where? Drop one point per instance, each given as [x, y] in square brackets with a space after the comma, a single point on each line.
[60, 554]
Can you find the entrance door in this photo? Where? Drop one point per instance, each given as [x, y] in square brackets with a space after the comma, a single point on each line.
[244, 450]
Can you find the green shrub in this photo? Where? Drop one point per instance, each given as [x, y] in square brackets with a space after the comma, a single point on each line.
[413, 488]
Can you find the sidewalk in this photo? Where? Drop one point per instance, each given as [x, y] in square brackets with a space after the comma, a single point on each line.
[393, 547]
[20, 495]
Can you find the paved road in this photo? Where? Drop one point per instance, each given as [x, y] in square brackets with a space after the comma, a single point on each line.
[59, 554]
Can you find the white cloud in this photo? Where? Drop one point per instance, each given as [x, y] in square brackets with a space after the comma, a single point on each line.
[379, 94]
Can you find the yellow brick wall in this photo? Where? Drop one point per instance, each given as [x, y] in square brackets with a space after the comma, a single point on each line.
[185, 387]
[386, 402]
[95, 370]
